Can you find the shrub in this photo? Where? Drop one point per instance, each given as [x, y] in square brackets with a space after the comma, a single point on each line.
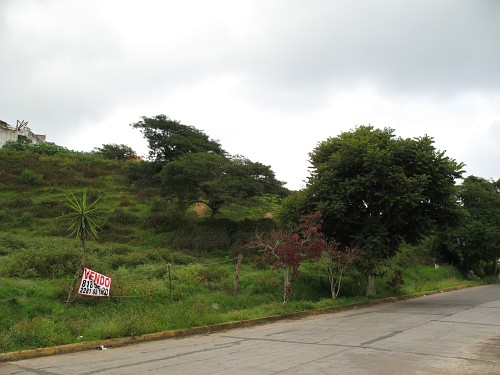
[166, 216]
[186, 280]
[120, 216]
[48, 209]
[16, 146]
[143, 173]
[214, 277]
[36, 332]
[180, 258]
[125, 202]
[25, 219]
[48, 149]
[19, 201]
[31, 178]
[117, 235]
[122, 250]
[115, 152]
[42, 259]
[12, 243]
[395, 281]
[211, 235]
[217, 235]
[129, 260]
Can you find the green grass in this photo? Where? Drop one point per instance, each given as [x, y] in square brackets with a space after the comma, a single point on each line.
[425, 278]
[142, 233]
[34, 314]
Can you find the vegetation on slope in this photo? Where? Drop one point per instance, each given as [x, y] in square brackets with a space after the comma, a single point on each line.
[169, 269]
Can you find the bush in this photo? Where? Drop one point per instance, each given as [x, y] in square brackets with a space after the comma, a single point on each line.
[31, 178]
[143, 173]
[23, 220]
[129, 260]
[50, 209]
[214, 277]
[48, 149]
[16, 146]
[217, 236]
[117, 235]
[396, 281]
[19, 201]
[179, 258]
[116, 152]
[120, 216]
[45, 259]
[11, 243]
[166, 216]
[186, 280]
[126, 203]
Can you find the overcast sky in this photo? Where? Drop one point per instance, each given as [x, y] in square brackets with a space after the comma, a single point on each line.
[269, 79]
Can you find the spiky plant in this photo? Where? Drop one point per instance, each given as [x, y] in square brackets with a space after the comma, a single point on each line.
[82, 227]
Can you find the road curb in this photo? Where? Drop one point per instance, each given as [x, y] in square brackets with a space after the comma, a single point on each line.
[123, 341]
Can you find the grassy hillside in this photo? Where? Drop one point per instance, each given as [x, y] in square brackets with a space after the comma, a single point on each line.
[169, 269]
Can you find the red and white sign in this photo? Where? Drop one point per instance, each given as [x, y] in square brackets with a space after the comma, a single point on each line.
[94, 284]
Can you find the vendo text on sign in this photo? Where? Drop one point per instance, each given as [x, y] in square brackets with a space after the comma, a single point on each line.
[94, 284]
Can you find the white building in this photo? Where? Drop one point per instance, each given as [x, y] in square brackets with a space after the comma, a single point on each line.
[10, 133]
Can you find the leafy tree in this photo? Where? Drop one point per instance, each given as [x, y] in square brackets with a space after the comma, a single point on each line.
[288, 249]
[337, 261]
[144, 173]
[292, 207]
[82, 227]
[476, 239]
[116, 152]
[216, 180]
[169, 139]
[376, 190]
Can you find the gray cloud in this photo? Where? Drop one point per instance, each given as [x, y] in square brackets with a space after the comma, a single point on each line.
[66, 64]
[410, 46]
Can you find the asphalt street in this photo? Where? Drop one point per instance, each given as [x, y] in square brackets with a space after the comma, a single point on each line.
[446, 333]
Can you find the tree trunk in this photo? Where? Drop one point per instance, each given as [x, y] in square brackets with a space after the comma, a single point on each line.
[72, 293]
[332, 286]
[287, 287]
[370, 288]
[237, 275]
[495, 266]
[337, 287]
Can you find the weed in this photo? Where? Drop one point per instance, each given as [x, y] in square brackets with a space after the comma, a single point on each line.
[29, 177]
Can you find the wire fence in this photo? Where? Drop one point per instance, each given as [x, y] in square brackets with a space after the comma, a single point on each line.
[19, 300]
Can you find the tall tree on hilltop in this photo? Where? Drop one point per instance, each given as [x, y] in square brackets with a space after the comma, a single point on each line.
[376, 190]
[169, 139]
[116, 152]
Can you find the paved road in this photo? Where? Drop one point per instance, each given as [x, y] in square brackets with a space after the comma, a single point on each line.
[447, 333]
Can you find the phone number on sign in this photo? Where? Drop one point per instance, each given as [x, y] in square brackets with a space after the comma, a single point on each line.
[88, 287]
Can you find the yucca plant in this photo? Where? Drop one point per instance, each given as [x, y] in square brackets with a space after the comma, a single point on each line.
[83, 227]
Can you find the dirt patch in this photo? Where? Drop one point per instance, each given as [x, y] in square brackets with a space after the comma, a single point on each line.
[200, 209]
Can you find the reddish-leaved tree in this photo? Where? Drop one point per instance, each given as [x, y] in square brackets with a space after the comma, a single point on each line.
[289, 249]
